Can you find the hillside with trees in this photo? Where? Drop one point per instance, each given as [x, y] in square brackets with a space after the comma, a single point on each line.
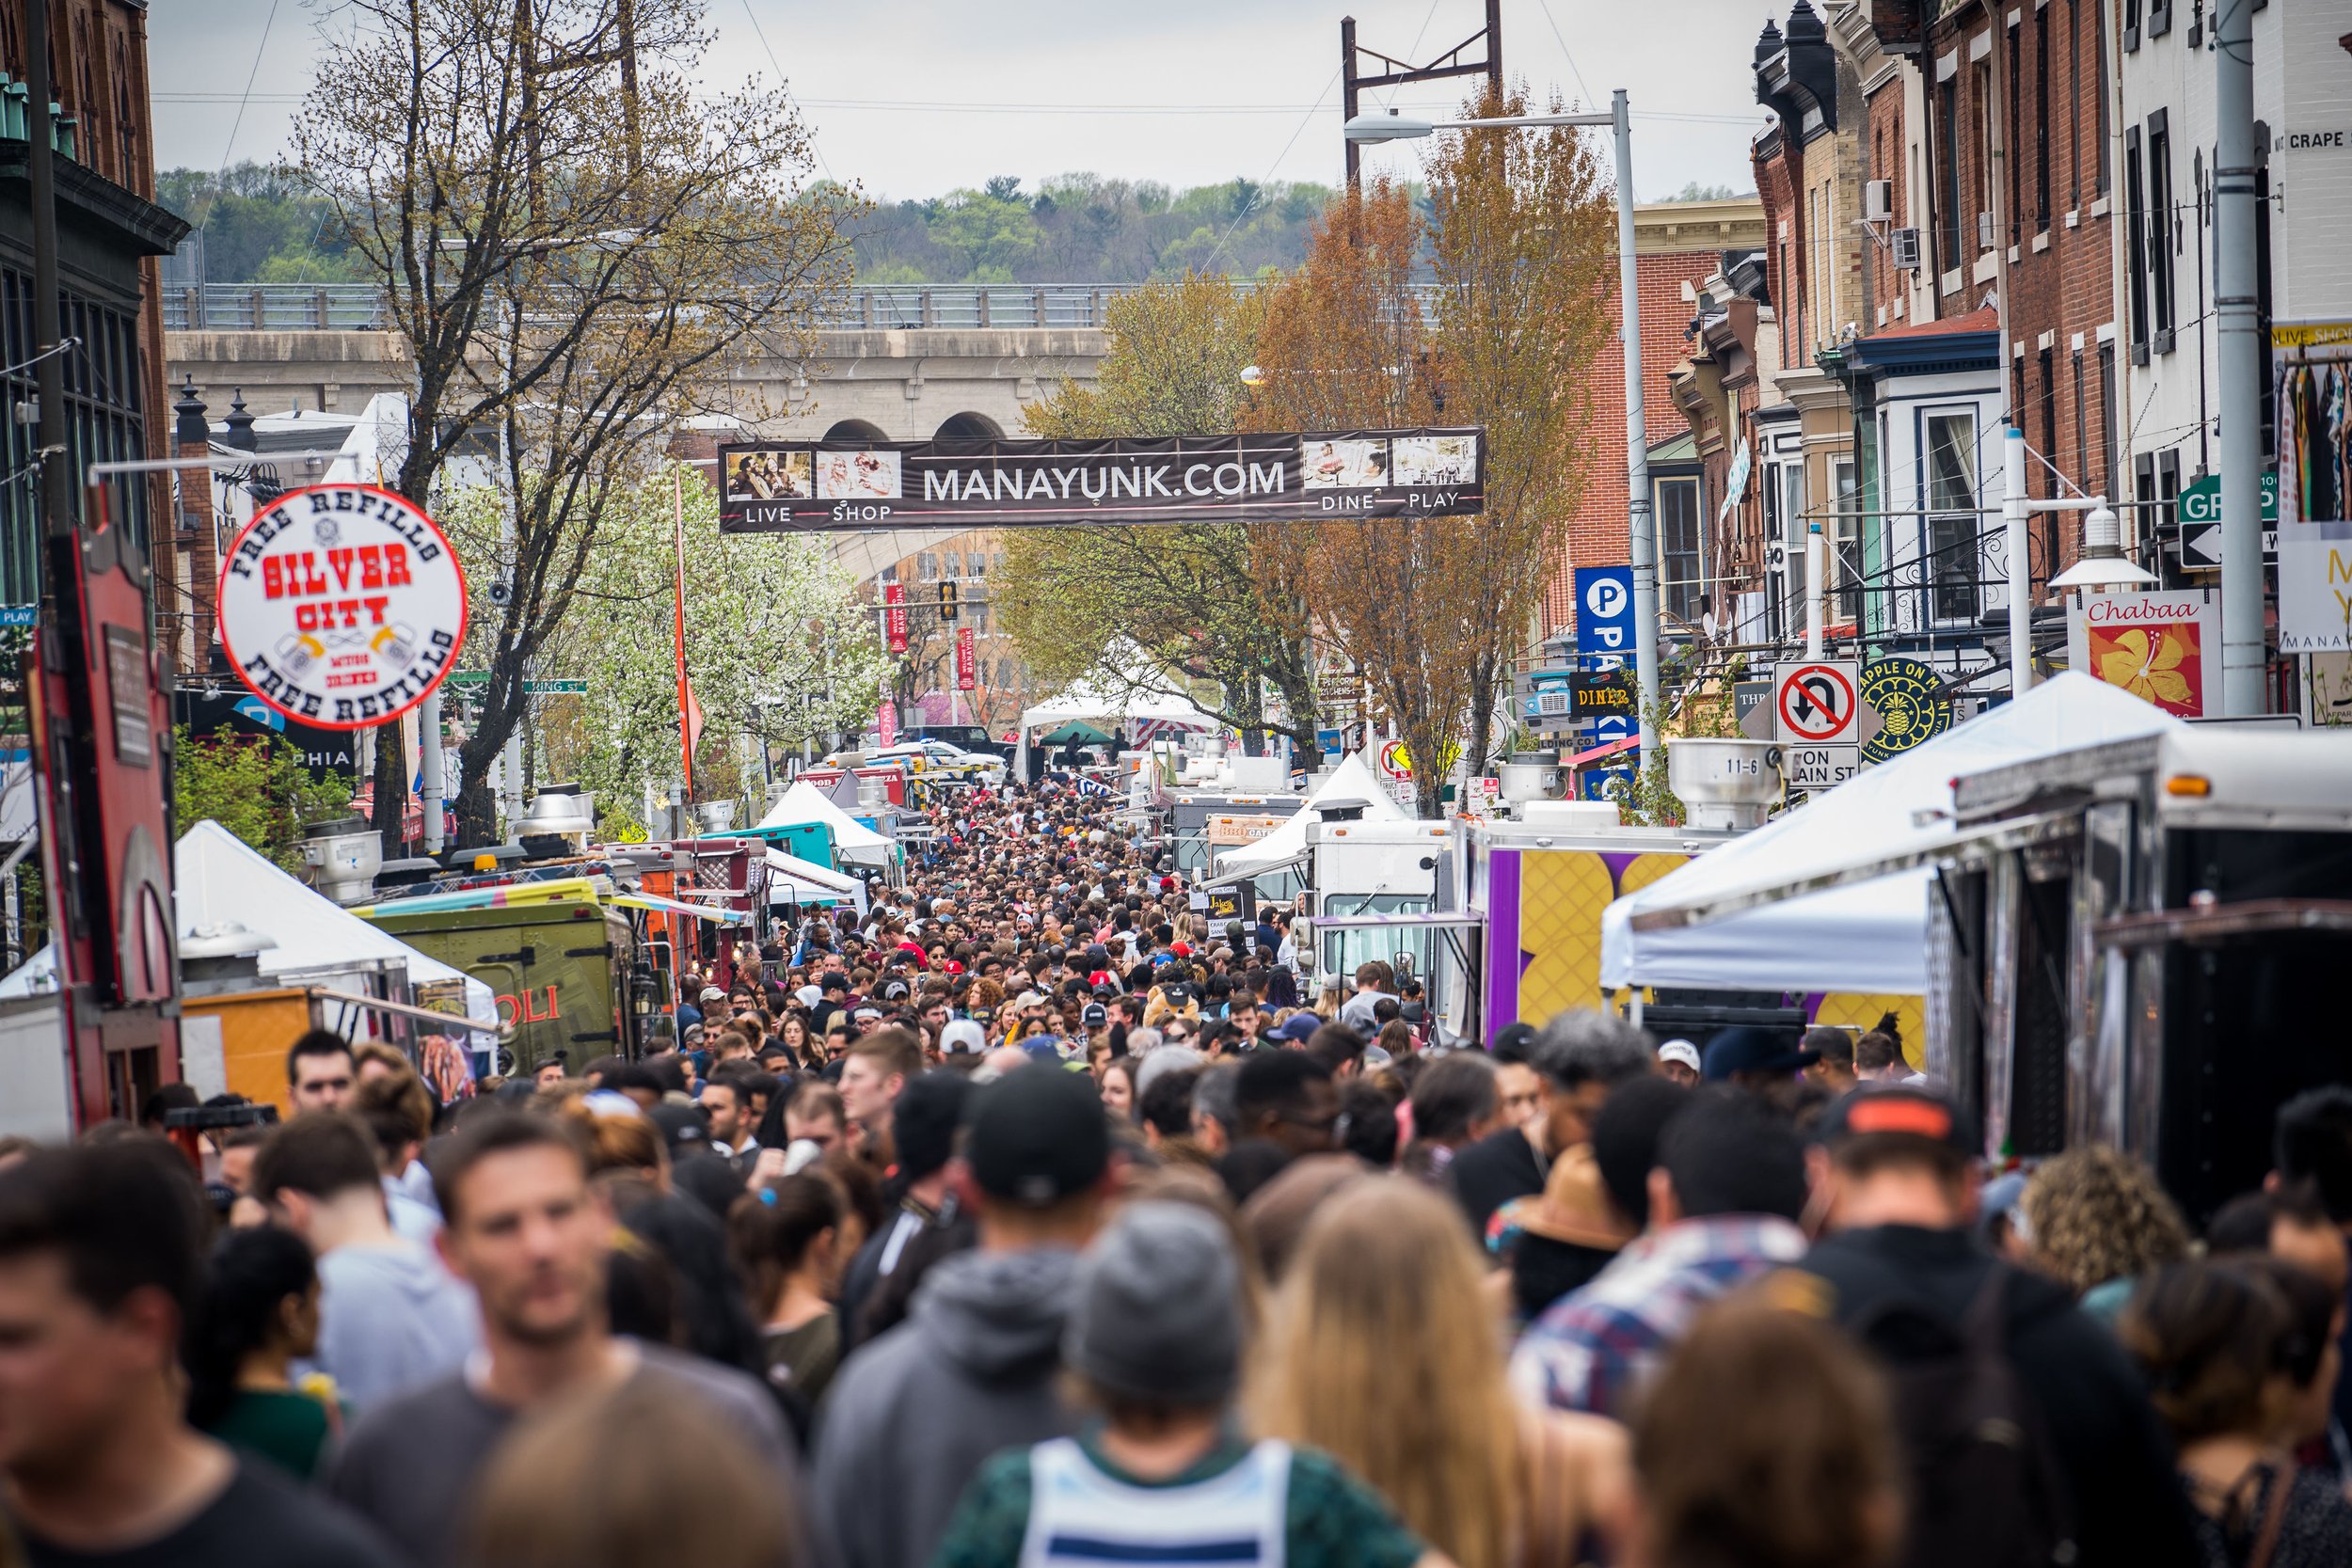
[262, 225]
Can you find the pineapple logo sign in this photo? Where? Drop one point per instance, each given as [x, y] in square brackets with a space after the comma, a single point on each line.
[342, 605]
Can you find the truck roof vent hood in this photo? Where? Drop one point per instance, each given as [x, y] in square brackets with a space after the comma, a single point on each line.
[341, 857]
[1348, 810]
[1724, 783]
[221, 956]
[559, 808]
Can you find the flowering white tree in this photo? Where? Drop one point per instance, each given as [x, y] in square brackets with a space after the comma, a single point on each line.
[778, 645]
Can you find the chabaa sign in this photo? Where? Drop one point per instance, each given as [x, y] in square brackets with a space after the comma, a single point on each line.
[343, 606]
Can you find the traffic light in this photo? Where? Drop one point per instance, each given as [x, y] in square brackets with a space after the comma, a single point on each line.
[948, 601]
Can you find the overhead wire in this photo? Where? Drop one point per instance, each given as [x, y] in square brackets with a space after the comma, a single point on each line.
[237, 122]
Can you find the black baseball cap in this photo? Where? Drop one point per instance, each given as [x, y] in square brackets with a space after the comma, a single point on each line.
[832, 980]
[1900, 1110]
[681, 1126]
[1094, 1016]
[923, 1122]
[1037, 1135]
[1749, 1048]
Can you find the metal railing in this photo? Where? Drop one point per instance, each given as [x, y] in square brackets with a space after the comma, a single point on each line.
[275, 307]
[359, 306]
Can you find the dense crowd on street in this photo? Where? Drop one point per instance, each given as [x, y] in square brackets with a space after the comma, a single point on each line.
[1029, 1216]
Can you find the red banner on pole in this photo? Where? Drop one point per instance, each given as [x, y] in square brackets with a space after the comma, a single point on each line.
[887, 723]
[895, 616]
[689, 712]
[967, 672]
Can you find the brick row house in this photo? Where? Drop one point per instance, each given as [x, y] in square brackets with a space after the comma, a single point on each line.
[1939, 259]
[1676, 246]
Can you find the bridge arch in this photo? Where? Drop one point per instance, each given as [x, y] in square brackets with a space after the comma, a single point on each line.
[969, 427]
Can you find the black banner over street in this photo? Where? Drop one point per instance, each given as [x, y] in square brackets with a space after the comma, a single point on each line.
[824, 486]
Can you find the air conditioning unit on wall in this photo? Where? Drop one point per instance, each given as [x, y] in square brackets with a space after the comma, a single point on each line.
[1905, 244]
[1988, 233]
[1878, 200]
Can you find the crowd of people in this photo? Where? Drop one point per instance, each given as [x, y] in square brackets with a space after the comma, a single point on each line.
[1029, 1216]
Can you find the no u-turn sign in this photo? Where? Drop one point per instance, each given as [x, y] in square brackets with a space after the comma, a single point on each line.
[1815, 703]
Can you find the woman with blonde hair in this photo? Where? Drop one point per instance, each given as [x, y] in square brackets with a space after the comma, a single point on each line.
[1381, 1311]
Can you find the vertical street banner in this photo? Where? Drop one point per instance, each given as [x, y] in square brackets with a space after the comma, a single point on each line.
[895, 616]
[967, 671]
[689, 712]
[887, 723]
[1330, 476]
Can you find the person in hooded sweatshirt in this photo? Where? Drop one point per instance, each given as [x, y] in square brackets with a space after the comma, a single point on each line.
[390, 1316]
[975, 1366]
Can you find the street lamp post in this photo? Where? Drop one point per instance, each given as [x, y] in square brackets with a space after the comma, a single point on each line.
[2103, 563]
[1641, 522]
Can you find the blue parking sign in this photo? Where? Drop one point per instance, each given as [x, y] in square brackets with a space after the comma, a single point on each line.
[1604, 611]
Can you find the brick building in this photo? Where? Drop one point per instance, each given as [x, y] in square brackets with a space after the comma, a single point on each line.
[110, 233]
[1678, 246]
[1938, 262]
[2005, 183]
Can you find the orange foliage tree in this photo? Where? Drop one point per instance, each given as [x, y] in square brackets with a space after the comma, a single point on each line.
[1517, 251]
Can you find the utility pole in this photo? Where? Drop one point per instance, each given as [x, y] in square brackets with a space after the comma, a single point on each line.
[1642, 524]
[58, 512]
[1401, 74]
[2245, 649]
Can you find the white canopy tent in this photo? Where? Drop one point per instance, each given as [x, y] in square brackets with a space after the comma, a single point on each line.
[1767, 912]
[1109, 709]
[851, 839]
[1352, 780]
[794, 881]
[218, 878]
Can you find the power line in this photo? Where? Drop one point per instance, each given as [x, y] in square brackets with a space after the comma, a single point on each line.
[1313, 109]
[1545, 6]
[947, 106]
[786, 87]
[236, 124]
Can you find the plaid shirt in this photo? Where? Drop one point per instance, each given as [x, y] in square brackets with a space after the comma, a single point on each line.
[1590, 1347]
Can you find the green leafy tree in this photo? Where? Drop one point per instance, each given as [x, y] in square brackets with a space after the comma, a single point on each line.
[1199, 604]
[579, 247]
[255, 786]
[989, 234]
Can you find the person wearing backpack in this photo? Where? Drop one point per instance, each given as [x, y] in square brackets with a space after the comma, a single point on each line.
[2031, 1440]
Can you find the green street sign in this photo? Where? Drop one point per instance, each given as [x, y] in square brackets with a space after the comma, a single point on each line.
[2200, 499]
[533, 689]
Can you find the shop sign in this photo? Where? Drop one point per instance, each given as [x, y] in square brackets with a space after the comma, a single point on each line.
[2163, 648]
[342, 605]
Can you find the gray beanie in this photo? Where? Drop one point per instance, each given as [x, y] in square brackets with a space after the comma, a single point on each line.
[1165, 1059]
[1157, 1312]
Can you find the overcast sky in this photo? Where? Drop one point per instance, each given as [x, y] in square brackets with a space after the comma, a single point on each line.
[914, 97]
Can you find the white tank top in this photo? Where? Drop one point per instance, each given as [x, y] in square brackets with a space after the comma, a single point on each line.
[1079, 1515]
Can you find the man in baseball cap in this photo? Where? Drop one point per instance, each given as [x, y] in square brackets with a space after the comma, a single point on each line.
[1679, 1061]
[1902, 1198]
[974, 1368]
[1761, 1061]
